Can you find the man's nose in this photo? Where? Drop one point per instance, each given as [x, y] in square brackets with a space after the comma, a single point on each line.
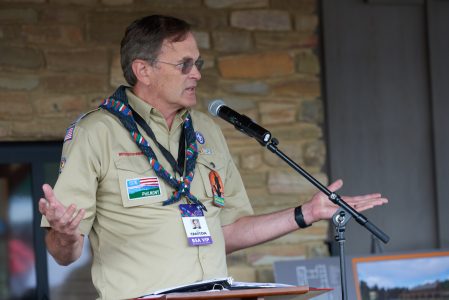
[195, 73]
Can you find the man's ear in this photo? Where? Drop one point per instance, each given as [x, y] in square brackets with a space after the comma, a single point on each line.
[142, 71]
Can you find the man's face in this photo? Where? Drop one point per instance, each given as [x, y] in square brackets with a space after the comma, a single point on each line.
[170, 88]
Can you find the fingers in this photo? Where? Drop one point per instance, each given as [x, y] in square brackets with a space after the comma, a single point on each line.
[43, 202]
[362, 197]
[43, 206]
[321, 208]
[68, 215]
[48, 193]
[368, 203]
[54, 210]
[70, 220]
[50, 206]
[74, 224]
[365, 198]
[48, 201]
[62, 219]
[336, 185]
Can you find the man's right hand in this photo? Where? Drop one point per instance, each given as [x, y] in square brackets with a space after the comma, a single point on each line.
[64, 240]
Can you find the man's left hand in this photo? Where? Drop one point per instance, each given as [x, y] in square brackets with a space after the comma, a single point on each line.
[320, 207]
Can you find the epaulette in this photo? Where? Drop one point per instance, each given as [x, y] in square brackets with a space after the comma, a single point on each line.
[69, 131]
[81, 116]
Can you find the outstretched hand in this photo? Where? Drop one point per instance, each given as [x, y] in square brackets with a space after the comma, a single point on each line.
[65, 221]
[320, 207]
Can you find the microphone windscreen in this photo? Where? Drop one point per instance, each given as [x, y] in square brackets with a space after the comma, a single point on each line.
[214, 106]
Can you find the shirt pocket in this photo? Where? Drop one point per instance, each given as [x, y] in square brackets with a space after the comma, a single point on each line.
[201, 186]
[139, 184]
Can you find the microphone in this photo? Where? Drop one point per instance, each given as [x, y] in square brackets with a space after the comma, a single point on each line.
[241, 122]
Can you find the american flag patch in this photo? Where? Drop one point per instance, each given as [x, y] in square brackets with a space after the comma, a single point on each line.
[143, 187]
[69, 133]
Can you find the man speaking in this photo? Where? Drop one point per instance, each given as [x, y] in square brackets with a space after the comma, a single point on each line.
[137, 170]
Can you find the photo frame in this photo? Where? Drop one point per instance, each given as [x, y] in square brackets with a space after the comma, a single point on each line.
[423, 274]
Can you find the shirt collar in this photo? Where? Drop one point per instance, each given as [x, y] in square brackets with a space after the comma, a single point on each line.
[151, 114]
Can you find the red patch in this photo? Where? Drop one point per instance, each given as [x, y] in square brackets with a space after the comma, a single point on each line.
[130, 153]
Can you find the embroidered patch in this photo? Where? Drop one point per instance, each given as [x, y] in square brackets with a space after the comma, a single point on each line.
[62, 164]
[130, 153]
[69, 133]
[206, 151]
[142, 187]
[199, 137]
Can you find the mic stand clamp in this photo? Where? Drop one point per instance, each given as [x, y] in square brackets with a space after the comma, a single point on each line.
[340, 218]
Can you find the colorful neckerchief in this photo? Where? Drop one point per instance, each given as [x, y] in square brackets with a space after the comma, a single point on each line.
[117, 105]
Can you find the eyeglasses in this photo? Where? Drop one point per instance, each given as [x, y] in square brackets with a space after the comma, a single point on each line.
[186, 65]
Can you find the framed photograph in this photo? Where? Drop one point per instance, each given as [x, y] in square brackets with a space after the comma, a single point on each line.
[403, 276]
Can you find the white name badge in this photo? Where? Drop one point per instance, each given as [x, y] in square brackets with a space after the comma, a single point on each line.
[195, 225]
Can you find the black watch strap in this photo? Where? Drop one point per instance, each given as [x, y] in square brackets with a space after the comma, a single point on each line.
[299, 218]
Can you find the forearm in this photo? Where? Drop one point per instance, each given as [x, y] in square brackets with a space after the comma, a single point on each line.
[64, 249]
[253, 230]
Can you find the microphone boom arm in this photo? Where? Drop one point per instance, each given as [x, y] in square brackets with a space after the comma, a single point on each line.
[334, 197]
[264, 137]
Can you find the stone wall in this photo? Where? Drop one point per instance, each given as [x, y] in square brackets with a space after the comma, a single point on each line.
[58, 58]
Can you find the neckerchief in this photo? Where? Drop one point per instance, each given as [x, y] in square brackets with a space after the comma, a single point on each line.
[117, 104]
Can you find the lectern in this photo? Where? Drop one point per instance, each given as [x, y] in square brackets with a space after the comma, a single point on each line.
[282, 293]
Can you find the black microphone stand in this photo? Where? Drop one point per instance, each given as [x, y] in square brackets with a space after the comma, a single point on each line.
[340, 218]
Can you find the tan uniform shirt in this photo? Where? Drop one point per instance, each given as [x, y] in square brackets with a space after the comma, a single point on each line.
[140, 246]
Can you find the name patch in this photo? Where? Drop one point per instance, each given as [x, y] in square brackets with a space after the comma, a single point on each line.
[142, 187]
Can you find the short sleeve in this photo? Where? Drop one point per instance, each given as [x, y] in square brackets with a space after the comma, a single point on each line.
[237, 202]
[79, 174]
